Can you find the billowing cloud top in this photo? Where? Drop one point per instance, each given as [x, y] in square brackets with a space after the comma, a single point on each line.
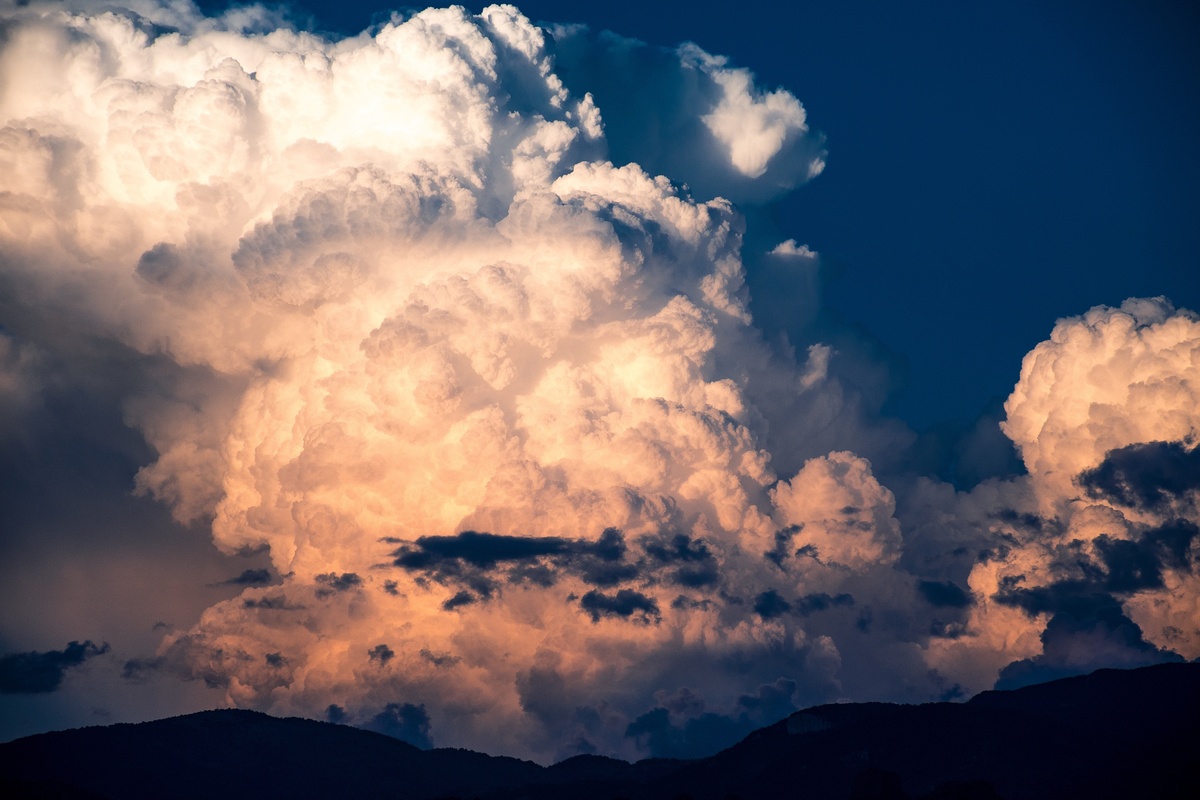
[496, 404]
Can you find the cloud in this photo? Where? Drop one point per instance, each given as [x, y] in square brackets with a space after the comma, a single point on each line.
[381, 653]
[788, 249]
[692, 115]
[19, 385]
[1148, 475]
[1085, 633]
[450, 321]
[40, 672]
[1091, 559]
[624, 604]
[332, 583]
[842, 514]
[942, 594]
[769, 604]
[1112, 378]
[477, 549]
[250, 577]
[403, 721]
[682, 728]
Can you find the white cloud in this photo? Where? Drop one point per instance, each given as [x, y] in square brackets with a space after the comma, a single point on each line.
[381, 291]
[789, 249]
[1110, 378]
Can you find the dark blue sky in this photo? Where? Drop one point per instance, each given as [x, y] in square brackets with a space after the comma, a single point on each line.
[992, 166]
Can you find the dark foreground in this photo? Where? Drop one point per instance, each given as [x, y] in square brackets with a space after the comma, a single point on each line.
[1112, 734]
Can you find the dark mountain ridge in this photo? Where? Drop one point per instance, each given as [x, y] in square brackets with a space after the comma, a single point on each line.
[1111, 734]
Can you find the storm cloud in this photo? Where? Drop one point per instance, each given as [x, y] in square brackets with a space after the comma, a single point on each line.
[450, 322]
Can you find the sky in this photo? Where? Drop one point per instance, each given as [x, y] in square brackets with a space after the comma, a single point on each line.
[586, 380]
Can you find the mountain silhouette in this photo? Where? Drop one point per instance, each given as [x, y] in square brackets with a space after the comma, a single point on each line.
[1112, 734]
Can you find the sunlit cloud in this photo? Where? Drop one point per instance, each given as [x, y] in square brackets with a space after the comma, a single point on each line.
[496, 407]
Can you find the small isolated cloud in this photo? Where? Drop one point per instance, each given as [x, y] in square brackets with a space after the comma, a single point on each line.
[39, 672]
[624, 604]
[381, 653]
[789, 249]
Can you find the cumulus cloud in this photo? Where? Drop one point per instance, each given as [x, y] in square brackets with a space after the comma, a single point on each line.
[450, 318]
[1092, 558]
[1112, 378]
[692, 115]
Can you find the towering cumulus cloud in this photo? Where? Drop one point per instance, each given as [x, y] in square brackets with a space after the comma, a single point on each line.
[496, 405]
[1095, 562]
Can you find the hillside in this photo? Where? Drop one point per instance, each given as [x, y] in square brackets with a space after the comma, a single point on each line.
[1111, 734]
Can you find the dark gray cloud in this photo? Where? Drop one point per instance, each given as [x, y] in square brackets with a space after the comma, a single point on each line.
[482, 561]
[625, 604]
[332, 583]
[1088, 631]
[679, 727]
[691, 563]
[684, 602]
[773, 701]
[1151, 475]
[139, 670]
[480, 564]
[770, 604]
[403, 721]
[944, 594]
[1088, 627]
[39, 672]
[249, 577]
[273, 603]
[381, 653]
[460, 599]
[783, 545]
[1115, 565]
[439, 659]
[476, 549]
[821, 601]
